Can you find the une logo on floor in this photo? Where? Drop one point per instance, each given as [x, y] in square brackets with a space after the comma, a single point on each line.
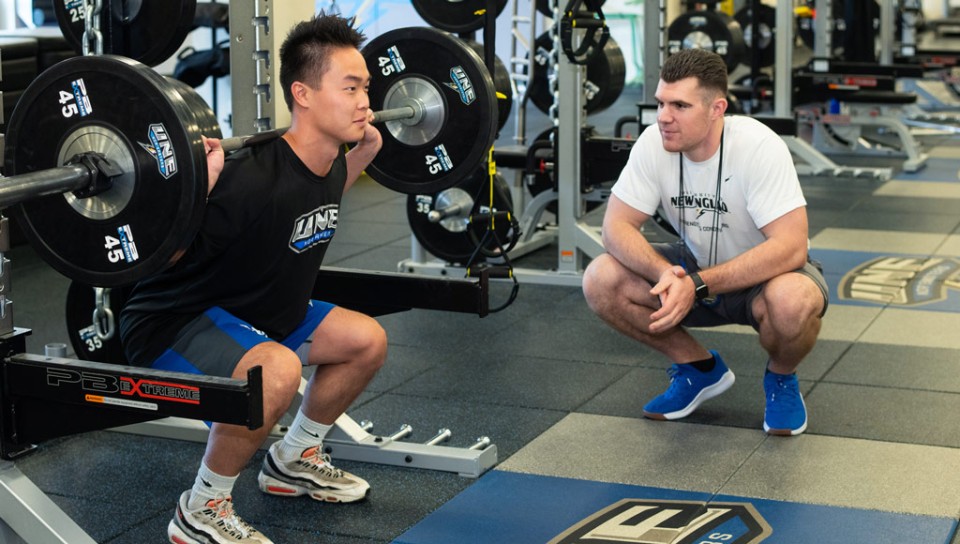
[641, 521]
[901, 281]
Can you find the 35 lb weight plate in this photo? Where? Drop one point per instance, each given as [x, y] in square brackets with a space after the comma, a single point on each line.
[451, 239]
[80, 305]
[126, 111]
[449, 82]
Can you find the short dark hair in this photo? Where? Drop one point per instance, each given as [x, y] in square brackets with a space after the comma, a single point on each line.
[305, 53]
[707, 66]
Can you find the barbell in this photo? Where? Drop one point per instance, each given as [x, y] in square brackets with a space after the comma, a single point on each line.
[107, 170]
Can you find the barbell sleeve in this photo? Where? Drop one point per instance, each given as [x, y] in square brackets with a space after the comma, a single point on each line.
[18, 188]
[239, 142]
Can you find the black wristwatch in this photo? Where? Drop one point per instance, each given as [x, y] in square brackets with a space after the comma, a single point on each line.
[700, 289]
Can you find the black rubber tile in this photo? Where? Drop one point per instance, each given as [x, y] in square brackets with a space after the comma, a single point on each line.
[882, 413]
[449, 331]
[889, 220]
[368, 232]
[901, 367]
[404, 363]
[572, 340]
[908, 205]
[393, 210]
[506, 380]
[383, 257]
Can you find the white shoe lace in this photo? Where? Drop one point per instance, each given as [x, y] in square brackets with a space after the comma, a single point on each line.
[321, 462]
[228, 519]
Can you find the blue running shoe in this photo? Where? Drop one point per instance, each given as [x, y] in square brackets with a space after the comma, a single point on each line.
[688, 389]
[785, 413]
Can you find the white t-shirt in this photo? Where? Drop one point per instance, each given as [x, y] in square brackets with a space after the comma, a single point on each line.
[758, 185]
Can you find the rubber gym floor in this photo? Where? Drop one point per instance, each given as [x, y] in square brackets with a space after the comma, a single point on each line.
[560, 395]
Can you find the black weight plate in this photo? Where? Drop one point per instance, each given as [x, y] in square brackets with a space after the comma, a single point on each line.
[767, 29]
[125, 110]
[206, 120]
[456, 76]
[458, 17]
[149, 31]
[706, 29]
[501, 82]
[606, 76]
[83, 337]
[458, 246]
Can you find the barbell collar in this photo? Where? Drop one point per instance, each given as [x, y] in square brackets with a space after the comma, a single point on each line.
[50, 181]
[413, 111]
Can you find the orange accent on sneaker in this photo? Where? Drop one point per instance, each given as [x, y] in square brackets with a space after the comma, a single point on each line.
[309, 452]
[277, 489]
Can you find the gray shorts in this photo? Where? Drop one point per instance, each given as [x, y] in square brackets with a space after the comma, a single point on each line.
[735, 307]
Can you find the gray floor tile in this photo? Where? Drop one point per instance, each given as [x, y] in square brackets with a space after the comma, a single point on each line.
[854, 473]
[640, 452]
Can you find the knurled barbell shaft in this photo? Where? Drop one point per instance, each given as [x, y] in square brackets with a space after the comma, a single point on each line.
[21, 187]
[239, 142]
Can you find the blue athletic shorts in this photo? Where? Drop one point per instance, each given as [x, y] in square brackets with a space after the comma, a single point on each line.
[214, 342]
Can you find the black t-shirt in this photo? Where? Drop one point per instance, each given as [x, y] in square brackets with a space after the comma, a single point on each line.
[265, 230]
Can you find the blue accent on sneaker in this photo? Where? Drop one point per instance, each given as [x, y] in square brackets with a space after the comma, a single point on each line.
[688, 389]
[785, 413]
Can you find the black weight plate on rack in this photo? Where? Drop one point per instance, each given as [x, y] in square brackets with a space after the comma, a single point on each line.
[606, 76]
[458, 17]
[125, 110]
[149, 31]
[458, 247]
[88, 346]
[767, 24]
[707, 29]
[501, 82]
[456, 76]
[206, 120]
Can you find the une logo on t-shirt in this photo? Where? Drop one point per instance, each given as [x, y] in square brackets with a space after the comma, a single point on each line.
[315, 227]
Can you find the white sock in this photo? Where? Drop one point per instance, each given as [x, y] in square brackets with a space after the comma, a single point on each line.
[303, 433]
[209, 485]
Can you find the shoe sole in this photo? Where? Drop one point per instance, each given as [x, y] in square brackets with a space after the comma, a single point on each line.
[705, 394]
[176, 535]
[279, 488]
[787, 432]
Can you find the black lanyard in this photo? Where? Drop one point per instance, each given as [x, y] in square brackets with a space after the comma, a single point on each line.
[715, 232]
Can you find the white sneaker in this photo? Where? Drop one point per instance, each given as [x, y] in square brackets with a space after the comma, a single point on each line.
[214, 522]
[310, 474]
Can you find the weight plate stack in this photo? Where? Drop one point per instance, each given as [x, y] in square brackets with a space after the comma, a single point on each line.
[149, 31]
[459, 17]
[707, 29]
[606, 76]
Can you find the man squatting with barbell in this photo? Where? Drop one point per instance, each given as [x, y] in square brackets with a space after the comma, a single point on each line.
[729, 187]
[240, 295]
